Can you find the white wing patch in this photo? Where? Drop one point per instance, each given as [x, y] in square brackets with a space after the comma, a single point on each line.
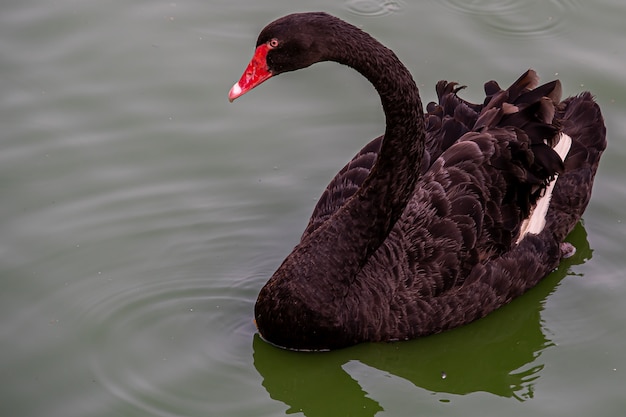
[536, 221]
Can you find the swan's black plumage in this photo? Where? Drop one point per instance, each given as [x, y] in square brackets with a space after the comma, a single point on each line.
[418, 232]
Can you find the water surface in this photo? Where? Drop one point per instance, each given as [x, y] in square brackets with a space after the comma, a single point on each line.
[142, 213]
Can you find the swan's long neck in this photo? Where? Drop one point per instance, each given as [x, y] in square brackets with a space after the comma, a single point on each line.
[381, 200]
[362, 224]
[335, 252]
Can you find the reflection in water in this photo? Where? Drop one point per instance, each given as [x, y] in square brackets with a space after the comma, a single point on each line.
[498, 354]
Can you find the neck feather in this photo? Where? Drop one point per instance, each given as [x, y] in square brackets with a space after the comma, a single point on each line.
[366, 220]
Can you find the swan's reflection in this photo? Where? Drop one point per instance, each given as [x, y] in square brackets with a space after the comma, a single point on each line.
[498, 354]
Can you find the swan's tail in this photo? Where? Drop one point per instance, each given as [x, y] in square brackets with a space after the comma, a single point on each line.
[537, 220]
[580, 119]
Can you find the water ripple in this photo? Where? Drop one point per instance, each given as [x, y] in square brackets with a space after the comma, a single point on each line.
[374, 7]
[150, 338]
[537, 18]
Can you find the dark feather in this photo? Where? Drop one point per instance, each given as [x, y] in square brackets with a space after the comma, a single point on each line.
[495, 165]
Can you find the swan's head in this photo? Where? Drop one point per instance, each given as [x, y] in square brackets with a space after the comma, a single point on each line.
[287, 44]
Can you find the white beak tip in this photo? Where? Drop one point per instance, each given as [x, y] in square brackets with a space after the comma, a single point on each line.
[234, 92]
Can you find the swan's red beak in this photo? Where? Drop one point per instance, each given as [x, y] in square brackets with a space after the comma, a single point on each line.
[255, 73]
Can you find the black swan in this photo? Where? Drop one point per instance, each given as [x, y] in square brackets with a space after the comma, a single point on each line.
[443, 219]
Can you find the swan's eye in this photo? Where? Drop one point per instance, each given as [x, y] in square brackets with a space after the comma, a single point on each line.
[273, 43]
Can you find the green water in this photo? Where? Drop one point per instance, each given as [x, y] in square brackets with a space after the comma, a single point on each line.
[141, 213]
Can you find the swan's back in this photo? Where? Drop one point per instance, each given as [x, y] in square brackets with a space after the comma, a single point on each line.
[451, 117]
